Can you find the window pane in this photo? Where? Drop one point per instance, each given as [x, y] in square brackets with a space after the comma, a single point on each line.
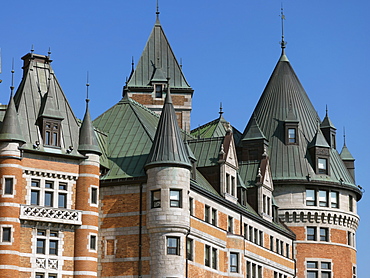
[48, 199]
[62, 186]
[175, 198]
[156, 199]
[312, 274]
[173, 245]
[49, 184]
[325, 265]
[35, 183]
[62, 200]
[334, 199]
[323, 236]
[325, 275]
[323, 198]
[321, 162]
[47, 138]
[233, 262]
[189, 249]
[94, 195]
[93, 242]
[7, 234]
[214, 217]
[55, 139]
[53, 247]
[291, 135]
[310, 197]
[8, 186]
[311, 264]
[40, 246]
[311, 233]
[206, 214]
[35, 197]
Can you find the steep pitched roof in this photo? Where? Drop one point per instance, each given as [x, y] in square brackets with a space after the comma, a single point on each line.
[206, 150]
[168, 146]
[282, 98]
[319, 140]
[130, 129]
[215, 128]
[37, 82]
[253, 132]
[10, 129]
[87, 140]
[157, 62]
[326, 122]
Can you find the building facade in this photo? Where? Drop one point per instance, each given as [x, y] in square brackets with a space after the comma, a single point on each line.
[135, 193]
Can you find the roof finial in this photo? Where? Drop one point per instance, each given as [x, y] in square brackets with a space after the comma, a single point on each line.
[344, 136]
[157, 12]
[87, 88]
[49, 52]
[132, 63]
[180, 63]
[326, 110]
[282, 16]
[12, 85]
[221, 112]
[32, 49]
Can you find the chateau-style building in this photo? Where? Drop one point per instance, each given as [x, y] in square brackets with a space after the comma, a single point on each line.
[135, 193]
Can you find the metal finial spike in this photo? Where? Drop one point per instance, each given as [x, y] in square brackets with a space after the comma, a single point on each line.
[180, 62]
[157, 12]
[12, 85]
[344, 136]
[282, 16]
[49, 52]
[87, 87]
[132, 63]
[32, 49]
[221, 112]
[326, 110]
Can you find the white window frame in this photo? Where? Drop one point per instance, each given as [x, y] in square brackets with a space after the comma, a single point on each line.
[90, 195]
[11, 235]
[4, 177]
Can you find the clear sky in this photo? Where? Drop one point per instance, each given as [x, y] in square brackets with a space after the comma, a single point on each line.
[228, 51]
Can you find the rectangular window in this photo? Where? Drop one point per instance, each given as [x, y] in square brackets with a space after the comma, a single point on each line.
[323, 198]
[175, 198]
[254, 271]
[62, 200]
[318, 270]
[158, 90]
[156, 198]
[207, 256]
[214, 217]
[6, 234]
[233, 185]
[51, 132]
[287, 250]
[291, 135]
[234, 262]
[261, 238]
[277, 245]
[322, 165]
[248, 270]
[94, 195]
[255, 236]
[324, 234]
[53, 247]
[311, 233]
[281, 248]
[214, 258]
[250, 233]
[8, 186]
[271, 243]
[93, 242]
[191, 204]
[173, 245]
[334, 199]
[40, 275]
[206, 213]
[350, 202]
[230, 225]
[228, 183]
[245, 231]
[48, 199]
[189, 249]
[310, 197]
[40, 248]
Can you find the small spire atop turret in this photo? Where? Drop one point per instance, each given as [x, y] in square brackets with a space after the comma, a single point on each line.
[87, 87]
[157, 13]
[282, 16]
[221, 112]
[344, 136]
[132, 64]
[32, 49]
[49, 52]
[12, 84]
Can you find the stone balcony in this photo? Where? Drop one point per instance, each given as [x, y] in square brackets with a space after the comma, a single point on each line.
[51, 215]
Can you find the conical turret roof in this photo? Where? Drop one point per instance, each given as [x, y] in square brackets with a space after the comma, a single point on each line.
[168, 147]
[284, 99]
[10, 129]
[87, 139]
[326, 122]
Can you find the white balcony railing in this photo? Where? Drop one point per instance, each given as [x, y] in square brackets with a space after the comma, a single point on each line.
[55, 215]
[46, 263]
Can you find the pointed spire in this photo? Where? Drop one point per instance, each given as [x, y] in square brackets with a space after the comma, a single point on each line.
[283, 43]
[319, 139]
[10, 129]
[221, 112]
[87, 140]
[157, 14]
[168, 147]
[49, 107]
[345, 154]
[326, 122]
[254, 131]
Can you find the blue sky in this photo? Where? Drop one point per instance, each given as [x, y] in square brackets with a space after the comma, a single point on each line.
[228, 51]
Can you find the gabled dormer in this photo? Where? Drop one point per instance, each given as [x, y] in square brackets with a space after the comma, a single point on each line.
[348, 159]
[159, 83]
[291, 128]
[329, 131]
[50, 119]
[228, 167]
[253, 143]
[320, 155]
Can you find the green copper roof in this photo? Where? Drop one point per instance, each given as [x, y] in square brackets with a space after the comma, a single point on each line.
[345, 153]
[326, 122]
[215, 128]
[10, 129]
[168, 146]
[87, 139]
[157, 62]
[130, 129]
[39, 79]
[48, 104]
[282, 96]
[248, 172]
[319, 140]
[206, 150]
[253, 132]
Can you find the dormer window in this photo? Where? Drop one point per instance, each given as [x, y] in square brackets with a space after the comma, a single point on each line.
[51, 132]
[322, 165]
[292, 136]
[158, 90]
